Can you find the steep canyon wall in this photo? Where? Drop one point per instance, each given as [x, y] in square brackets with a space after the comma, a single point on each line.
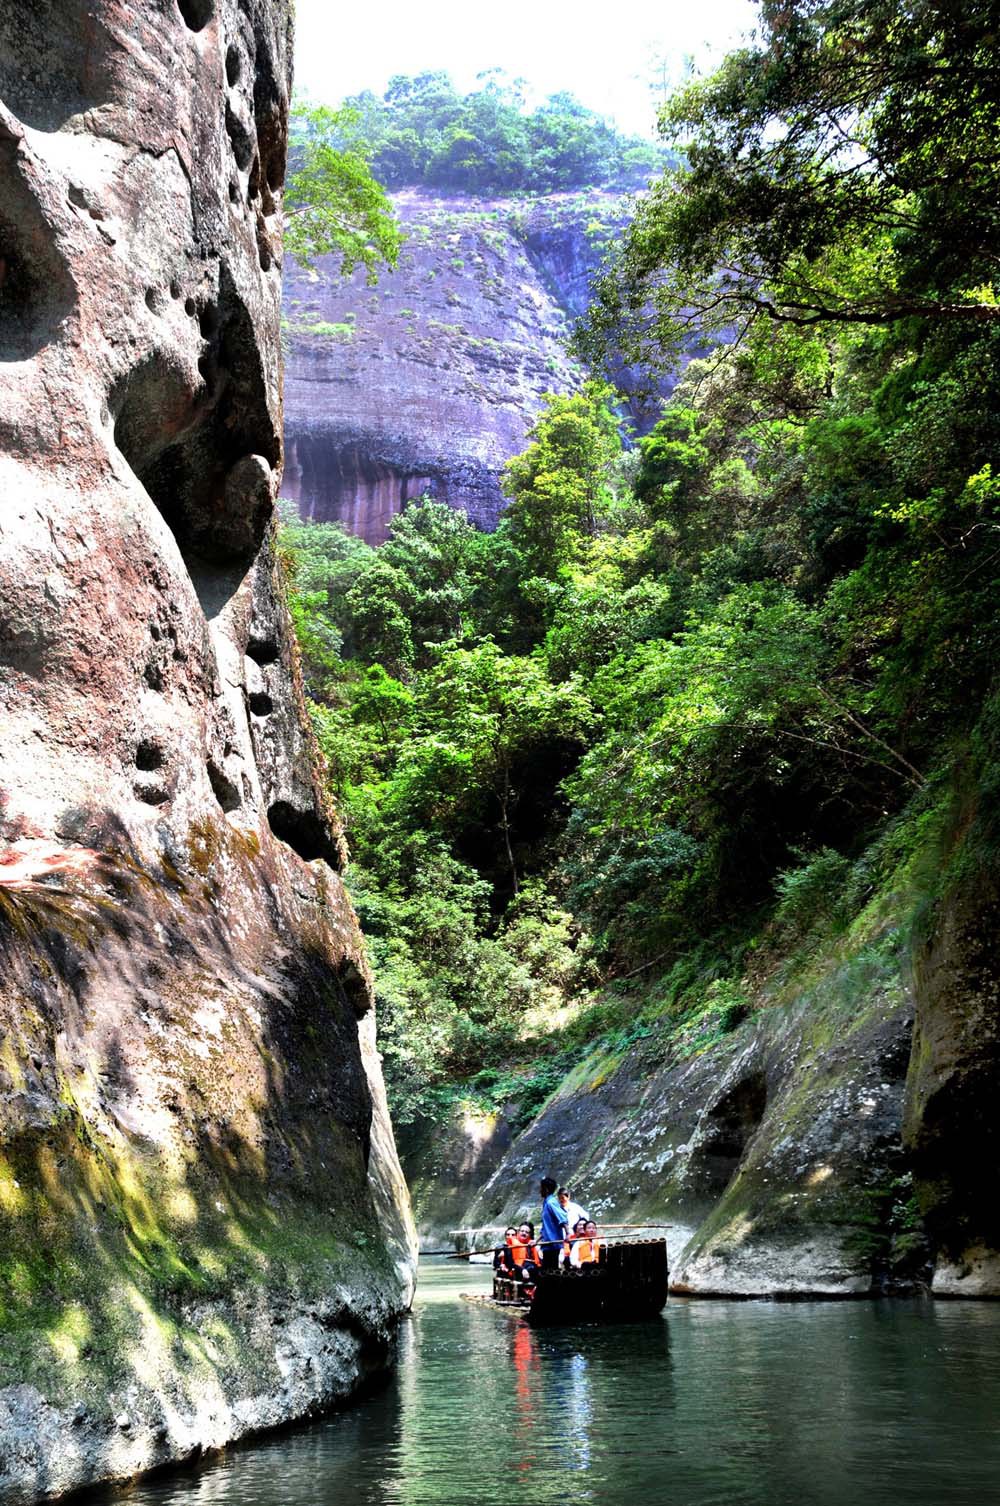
[430, 381]
[203, 1227]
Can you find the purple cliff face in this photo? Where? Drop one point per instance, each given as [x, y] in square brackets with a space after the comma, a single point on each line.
[429, 382]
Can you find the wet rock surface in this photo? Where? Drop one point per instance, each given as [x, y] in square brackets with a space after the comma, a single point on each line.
[447, 1165]
[202, 1222]
[833, 1137]
[952, 1122]
[429, 382]
[773, 1152]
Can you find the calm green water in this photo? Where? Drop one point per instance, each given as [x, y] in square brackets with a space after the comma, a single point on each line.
[717, 1404]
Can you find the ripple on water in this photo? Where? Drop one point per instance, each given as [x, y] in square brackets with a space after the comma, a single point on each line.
[716, 1404]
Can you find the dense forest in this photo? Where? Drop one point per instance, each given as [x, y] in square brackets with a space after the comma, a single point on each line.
[423, 132]
[700, 701]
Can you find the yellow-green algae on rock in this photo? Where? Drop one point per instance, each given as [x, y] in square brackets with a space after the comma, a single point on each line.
[203, 1227]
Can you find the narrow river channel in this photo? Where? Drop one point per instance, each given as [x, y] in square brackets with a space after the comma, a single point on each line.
[715, 1404]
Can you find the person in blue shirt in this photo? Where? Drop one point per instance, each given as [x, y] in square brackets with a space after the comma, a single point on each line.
[554, 1230]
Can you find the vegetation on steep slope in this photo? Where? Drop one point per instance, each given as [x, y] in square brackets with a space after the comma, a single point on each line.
[694, 704]
[842, 171]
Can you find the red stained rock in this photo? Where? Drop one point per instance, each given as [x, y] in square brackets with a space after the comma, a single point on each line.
[182, 1066]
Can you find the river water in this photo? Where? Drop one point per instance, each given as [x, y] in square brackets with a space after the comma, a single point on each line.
[715, 1404]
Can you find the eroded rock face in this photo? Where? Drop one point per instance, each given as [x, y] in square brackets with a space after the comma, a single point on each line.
[952, 1125]
[447, 1165]
[774, 1153]
[429, 382]
[204, 1229]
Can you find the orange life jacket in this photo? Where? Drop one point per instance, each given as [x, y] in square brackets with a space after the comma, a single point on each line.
[588, 1251]
[522, 1252]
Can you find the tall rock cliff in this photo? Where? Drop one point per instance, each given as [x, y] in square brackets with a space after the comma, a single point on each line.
[952, 1114]
[203, 1228]
[429, 382]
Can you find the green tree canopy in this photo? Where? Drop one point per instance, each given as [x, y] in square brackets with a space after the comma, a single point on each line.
[422, 131]
[559, 486]
[488, 714]
[333, 205]
[841, 170]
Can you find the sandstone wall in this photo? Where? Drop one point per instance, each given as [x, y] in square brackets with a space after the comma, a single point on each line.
[952, 1119]
[429, 382]
[203, 1229]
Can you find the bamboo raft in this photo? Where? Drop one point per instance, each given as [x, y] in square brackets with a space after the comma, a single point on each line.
[628, 1283]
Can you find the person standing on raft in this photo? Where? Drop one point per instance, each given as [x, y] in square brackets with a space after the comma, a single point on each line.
[554, 1227]
[572, 1212]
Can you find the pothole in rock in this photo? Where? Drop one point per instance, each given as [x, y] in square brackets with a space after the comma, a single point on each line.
[204, 448]
[196, 13]
[149, 755]
[725, 1134]
[242, 141]
[304, 831]
[264, 253]
[223, 788]
[352, 981]
[36, 289]
[262, 648]
[270, 112]
[151, 792]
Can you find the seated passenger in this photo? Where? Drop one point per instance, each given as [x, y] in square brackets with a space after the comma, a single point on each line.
[524, 1254]
[577, 1233]
[587, 1248]
[503, 1263]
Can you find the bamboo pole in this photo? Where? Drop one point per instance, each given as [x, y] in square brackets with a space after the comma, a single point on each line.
[649, 1225]
[543, 1243]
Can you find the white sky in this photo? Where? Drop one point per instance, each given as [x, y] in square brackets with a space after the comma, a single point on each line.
[602, 53]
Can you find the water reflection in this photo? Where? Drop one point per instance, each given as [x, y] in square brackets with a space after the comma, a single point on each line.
[747, 1404]
[527, 1391]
